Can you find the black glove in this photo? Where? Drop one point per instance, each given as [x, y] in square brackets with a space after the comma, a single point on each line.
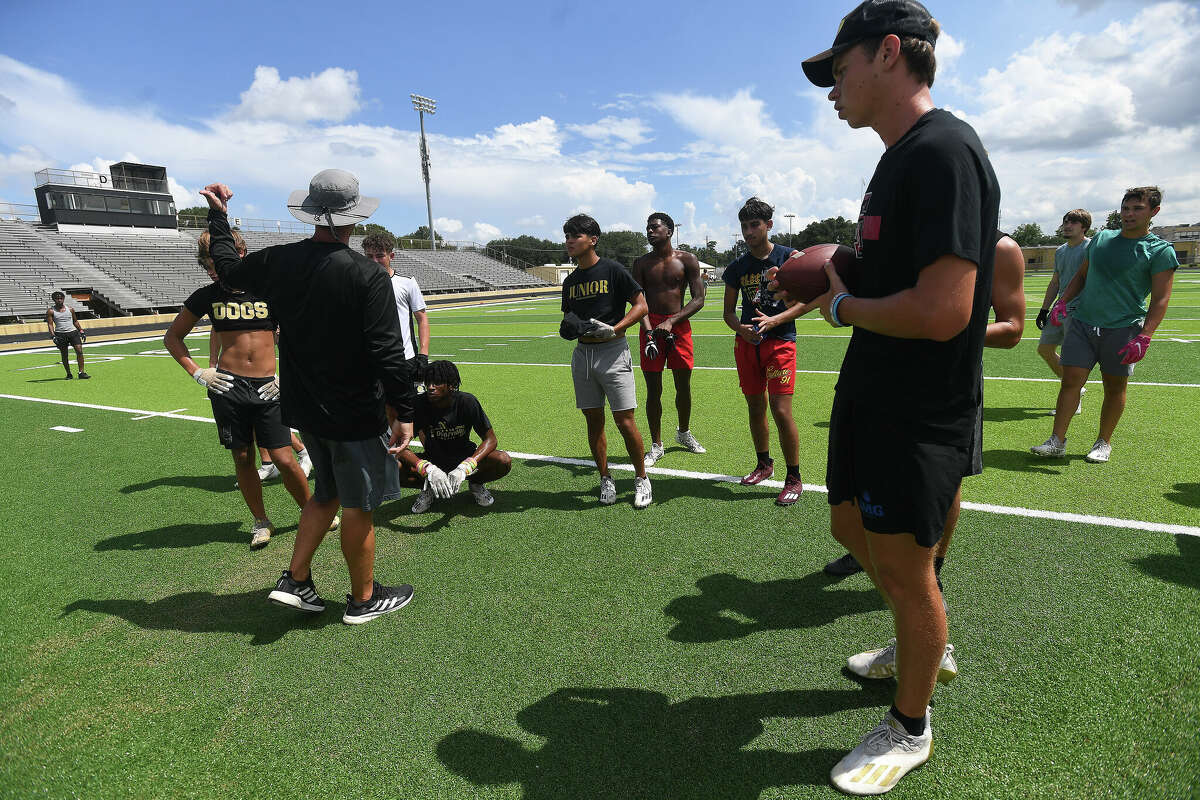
[422, 364]
[1042, 317]
[82, 336]
[572, 327]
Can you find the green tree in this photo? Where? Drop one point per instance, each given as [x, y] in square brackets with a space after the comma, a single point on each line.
[530, 249]
[826, 231]
[1028, 234]
[418, 239]
[624, 247]
[370, 228]
[1113, 223]
[193, 216]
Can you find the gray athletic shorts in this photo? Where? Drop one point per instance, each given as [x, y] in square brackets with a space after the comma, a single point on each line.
[604, 370]
[1053, 334]
[1085, 345]
[360, 474]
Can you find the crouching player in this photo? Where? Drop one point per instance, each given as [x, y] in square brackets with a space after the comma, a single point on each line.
[443, 417]
[242, 386]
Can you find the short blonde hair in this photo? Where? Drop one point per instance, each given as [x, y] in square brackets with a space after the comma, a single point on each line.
[205, 240]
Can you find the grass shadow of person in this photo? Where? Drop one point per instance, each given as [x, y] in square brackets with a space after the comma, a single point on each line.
[1185, 494]
[219, 484]
[621, 742]
[1183, 569]
[1025, 461]
[1014, 413]
[805, 602]
[187, 535]
[247, 613]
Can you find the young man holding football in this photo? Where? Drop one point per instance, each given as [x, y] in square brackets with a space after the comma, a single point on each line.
[925, 246]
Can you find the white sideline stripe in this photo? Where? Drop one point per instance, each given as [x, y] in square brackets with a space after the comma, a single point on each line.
[824, 372]
[65, 429]
[170, 414]
[159, 413]
[1083, 519]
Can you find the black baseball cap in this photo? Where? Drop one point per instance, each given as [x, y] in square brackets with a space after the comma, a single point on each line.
[872, 18]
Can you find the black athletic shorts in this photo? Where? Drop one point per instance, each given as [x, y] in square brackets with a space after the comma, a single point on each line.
[244, 418]
[69, 339]
[899, 484]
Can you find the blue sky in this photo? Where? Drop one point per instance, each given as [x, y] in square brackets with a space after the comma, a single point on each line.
[617, 109]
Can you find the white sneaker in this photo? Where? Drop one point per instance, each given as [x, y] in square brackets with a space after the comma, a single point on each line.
[642, 494]
[423, 502]
[260, 533]
[881, 663]
[686, 439]
[1053, 447]
[882, 758]
[481, 494]
[305, 463]
[268, 471]
[608, 490]
[1100, 452]
[1079, 408]
[337, 521]
[655, 452]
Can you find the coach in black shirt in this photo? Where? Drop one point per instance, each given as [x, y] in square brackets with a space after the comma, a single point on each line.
[340, 354]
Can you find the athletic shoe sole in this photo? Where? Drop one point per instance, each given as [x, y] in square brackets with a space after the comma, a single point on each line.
[289, 600]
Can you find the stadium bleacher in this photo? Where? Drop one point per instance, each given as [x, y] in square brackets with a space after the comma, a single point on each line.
[135, 273]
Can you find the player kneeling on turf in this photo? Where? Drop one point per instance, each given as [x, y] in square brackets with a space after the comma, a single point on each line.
[443, 417]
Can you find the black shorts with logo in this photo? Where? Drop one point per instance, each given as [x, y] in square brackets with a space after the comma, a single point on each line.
[244, 418]
[899, 484]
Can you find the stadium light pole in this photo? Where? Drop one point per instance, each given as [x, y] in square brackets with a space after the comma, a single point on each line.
[425, 105]
[790, 217]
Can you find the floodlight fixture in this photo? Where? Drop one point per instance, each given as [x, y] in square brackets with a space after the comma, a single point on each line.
[423, 106]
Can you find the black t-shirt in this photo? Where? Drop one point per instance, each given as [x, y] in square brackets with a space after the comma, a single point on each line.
[230, 310]
[933, 194]
[448, 430]
[746, 275]
[600, 291]
[340, 346]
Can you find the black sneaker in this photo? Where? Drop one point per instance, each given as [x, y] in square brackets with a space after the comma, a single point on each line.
[84, 376]
[301, 595]
[69, 375]
[843, 567]
[384, 600]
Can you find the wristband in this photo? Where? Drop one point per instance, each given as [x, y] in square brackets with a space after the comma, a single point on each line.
[469, 465]
[833, 307]
[423, 467]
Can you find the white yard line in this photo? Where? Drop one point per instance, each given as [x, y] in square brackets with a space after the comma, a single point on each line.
[1014, 511]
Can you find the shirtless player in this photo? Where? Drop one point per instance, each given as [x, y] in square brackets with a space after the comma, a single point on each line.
[666, 333]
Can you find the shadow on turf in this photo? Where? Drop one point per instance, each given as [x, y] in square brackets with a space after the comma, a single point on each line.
[1183, 569]
[398, 515]
[1185, 494]
[805, 602]
[190, 535]
[246, 613]
[1015, 413]
[1025, 461]
[635, 743]
[209, 483]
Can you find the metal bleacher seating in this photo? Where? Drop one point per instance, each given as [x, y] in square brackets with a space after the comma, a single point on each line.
[161, 268]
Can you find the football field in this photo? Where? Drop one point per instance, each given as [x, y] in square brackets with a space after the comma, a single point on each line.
[559, 649]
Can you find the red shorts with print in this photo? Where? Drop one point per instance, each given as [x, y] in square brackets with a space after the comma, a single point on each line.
[769, 365]
[681, 356]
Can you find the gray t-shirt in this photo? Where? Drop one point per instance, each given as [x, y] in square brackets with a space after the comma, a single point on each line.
[1067, 261]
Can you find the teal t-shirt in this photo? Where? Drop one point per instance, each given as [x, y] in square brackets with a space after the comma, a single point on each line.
[1118, 278]
[1067, 260]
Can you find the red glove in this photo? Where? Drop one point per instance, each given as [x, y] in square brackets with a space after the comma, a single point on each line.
[1058, 313]
[1135, 351]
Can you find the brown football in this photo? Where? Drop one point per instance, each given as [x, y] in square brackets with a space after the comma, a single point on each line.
[803, 277]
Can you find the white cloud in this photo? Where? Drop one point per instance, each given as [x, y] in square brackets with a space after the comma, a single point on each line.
[23, 163]
[535, 221]
[332, 94]
[628, 132]
[483, 233]
[948, 51]
[739, 121]
[446, 227]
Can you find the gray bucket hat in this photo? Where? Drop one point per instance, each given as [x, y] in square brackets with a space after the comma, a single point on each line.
[332, 199]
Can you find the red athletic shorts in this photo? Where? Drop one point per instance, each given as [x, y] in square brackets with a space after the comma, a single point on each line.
[681, 356]
[769, 365]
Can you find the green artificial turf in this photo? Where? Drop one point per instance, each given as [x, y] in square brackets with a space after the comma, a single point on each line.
[558, 649]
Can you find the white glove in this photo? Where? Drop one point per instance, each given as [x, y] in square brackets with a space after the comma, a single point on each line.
[602, 330]
[214, 380]
[439, 483]
[456, 478]
[270, 390]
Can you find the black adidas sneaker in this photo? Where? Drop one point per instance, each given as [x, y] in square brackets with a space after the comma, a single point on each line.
[384, 600]
[301, 595]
